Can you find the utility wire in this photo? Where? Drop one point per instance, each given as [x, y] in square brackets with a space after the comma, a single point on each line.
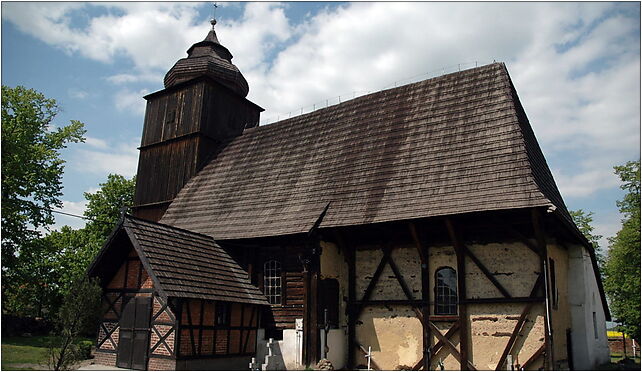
[74, 215]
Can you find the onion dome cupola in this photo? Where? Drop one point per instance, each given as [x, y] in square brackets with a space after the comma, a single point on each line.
[211, 59]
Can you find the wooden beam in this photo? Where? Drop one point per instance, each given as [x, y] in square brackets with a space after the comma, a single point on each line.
[350, 308]
[540, 236]
[415, 238]
[390, 302]
[314, 304]
[402, 282]
[435, 349]
[424, 256]
[453, 348]
[306, 314]
[513, 336]
[502, 300]
[189, 322]
[486, 272]
[534, 357]
[517, 235]
[461, 289]
[374, 280]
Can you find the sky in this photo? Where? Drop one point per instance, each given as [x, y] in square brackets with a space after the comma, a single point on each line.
[576, 68]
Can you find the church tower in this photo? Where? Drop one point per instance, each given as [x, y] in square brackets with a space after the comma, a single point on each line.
[202, 107]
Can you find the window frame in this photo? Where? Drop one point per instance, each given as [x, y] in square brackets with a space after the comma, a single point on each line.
[273, 282]
[438, 305]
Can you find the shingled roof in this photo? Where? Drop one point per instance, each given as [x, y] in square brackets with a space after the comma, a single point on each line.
[453, 144]
[184, 264]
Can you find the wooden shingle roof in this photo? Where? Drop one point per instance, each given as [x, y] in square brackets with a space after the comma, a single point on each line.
[453, 144]
[184, 264]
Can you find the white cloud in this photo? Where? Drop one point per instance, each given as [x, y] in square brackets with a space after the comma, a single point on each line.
[119, 159]
[96, 143]
[576, 66]
[584, 183]
[70, 207]
[126, 29]
[119, 79]
[131, 101]
[607, 226]
[77, 93]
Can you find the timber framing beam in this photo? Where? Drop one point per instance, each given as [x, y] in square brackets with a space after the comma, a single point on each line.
[540, 237]
[510, 229]
[502, 300]
[486, 272]
[461, 290]
[350, 310]
[435, 349]
[424, 256]
[453, 349]
[534, 357]
[519, 325]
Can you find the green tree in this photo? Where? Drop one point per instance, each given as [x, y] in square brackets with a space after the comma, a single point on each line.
[105, 206]
[75, 249]
[584, 221]
[622, 266]
[79, 310]
[31, 172]
[46, 272]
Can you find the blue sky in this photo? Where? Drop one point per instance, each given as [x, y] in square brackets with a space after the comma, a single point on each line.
[576, 67]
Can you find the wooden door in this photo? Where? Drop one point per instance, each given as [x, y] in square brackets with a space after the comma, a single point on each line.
[328, 299]
[133, 341]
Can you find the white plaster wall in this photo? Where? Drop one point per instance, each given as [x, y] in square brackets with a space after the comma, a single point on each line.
[337, 345]
[584, 299]
[286, 349]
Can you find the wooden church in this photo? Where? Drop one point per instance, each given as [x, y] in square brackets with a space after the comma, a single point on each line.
[421, 223]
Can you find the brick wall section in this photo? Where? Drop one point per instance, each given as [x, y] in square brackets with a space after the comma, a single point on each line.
[169, 340]
[615, 345]
[104, 342]
[161, 364]
[105, 359]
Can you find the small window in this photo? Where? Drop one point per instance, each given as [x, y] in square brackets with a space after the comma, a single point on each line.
[222, 313]
[446, 291]
[272, 281]
[596, 334]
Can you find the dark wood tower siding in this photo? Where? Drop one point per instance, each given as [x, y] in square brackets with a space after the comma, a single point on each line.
[184, 126]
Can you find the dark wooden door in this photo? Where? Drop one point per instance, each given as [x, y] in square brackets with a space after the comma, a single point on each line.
[133, 342]
[328, 299]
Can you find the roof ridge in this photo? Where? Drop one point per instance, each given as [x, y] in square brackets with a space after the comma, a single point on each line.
[132, 217]
[370, 95]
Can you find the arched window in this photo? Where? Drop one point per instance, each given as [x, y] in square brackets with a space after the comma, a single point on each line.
[272, 281]
[445, 291]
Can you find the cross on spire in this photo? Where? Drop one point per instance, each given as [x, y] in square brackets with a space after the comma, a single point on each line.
[213, 20]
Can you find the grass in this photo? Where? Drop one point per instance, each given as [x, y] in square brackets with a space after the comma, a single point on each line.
[617, 365]
[26, 353]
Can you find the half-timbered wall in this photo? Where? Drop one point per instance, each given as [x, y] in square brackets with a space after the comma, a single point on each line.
[204, 333]
[132, 280]
[504, 312]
